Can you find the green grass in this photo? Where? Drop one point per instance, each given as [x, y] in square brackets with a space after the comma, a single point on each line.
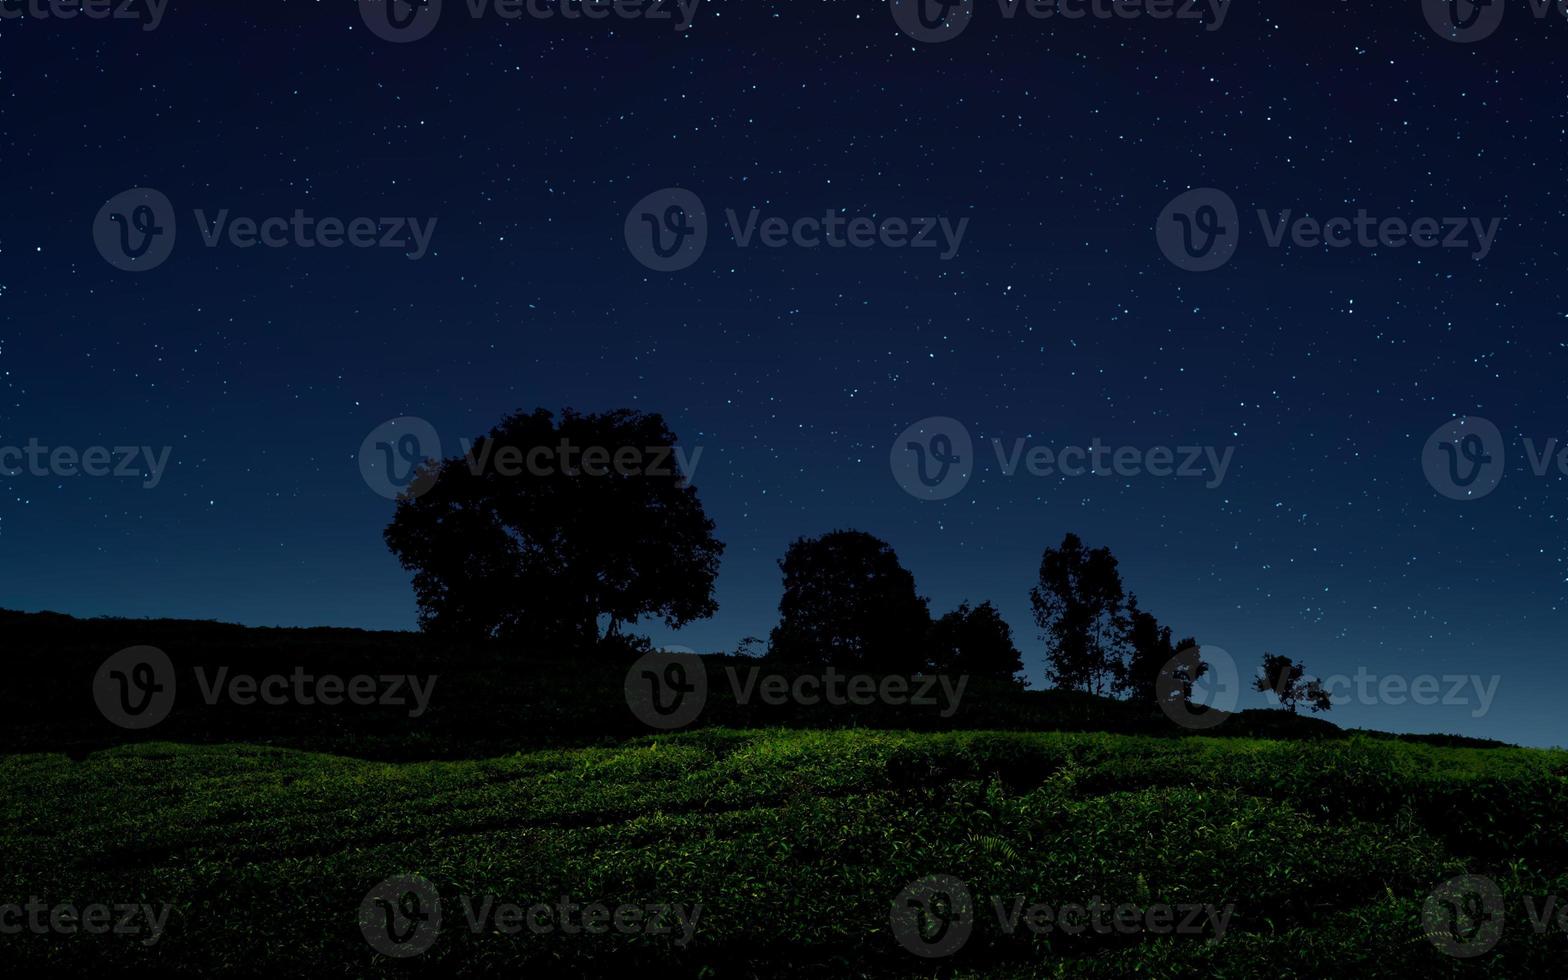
[795, 843]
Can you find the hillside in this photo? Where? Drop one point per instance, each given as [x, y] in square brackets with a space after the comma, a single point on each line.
[794, 845]
[485, 700]
[1022, 833]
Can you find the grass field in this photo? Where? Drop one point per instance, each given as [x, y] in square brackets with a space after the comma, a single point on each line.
[795, 845]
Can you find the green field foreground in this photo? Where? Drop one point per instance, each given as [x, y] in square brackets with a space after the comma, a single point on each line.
[795, 845]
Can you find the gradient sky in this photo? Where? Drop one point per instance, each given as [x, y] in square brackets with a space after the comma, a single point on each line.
[1059, 321]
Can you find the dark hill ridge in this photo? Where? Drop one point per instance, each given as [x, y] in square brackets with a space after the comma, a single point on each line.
[482, 700]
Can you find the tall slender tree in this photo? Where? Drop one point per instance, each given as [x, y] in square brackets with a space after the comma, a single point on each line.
[1079, 604]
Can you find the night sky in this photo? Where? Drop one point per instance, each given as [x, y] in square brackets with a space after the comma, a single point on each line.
[1058, 321]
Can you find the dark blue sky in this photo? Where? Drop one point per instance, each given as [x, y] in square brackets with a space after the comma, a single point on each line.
[1059, 321]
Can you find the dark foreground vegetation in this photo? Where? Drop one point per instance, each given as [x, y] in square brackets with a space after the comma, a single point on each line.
[255, 835]
[795, 844]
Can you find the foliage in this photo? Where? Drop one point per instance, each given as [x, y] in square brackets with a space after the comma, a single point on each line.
[848, 602]
[795, 843]
[975, 641]
[1079, 604]
[540, 530]
[1284, 679]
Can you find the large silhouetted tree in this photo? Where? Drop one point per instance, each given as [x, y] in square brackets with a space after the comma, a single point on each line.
[541, 529]
[975, 641]
[849, 603]
[1079, 604]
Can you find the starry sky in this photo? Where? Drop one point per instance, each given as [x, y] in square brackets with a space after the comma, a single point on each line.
[1058, 321]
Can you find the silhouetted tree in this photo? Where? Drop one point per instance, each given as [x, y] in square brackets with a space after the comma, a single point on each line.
[975, 641]
[849, 603]
[1151, 652]
[1175, 680]
[1079, 605]
[540, 529]
[1284, 677]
